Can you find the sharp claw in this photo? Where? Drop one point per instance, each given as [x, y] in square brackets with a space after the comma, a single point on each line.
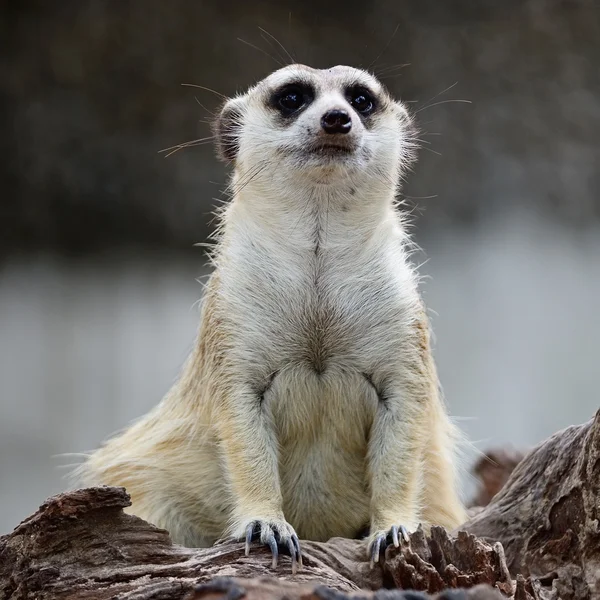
[375, 550]
[395, 536]
[405, 535]
[292, 551]
[298, 550]
[249, 532]
[272, 537]
[274, 550]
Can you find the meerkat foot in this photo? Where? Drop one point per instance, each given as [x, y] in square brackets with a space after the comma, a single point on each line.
[380, 540]
[276, 534]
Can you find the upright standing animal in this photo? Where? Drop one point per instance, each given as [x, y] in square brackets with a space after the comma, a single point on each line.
[310, 406]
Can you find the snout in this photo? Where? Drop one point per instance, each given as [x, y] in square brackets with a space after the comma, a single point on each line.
[335, 136]
[330, 132]
[336, 121]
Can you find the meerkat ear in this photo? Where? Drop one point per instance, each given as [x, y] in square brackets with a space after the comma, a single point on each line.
[410, 134]
[226, 128]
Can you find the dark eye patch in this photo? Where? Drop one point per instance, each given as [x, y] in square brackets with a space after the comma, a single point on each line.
[291, 98]
[362, 99]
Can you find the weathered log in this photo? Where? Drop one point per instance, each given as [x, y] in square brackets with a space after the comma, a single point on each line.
[547, 516]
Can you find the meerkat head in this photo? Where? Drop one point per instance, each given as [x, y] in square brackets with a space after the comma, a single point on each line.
[326, 125]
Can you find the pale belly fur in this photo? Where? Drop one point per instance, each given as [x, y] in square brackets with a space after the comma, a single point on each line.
[322, 423]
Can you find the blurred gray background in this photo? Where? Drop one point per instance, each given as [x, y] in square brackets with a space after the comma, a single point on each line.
[98, 290]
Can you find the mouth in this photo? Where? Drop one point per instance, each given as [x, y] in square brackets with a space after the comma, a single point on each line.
[331, 149]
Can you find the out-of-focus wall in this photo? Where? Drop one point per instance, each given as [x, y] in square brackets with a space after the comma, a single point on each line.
[98, 268]
[93, 90]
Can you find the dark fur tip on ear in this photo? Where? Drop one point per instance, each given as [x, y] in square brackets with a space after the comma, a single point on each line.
[226, 130]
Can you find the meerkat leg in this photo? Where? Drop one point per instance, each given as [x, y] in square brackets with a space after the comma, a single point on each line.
[250, 451]
[395, 461]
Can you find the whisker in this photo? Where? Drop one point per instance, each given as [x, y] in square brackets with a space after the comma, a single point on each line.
[442, 102]
[201, 87]
[183, 144]
[390, 76]
[275, 49]
[442, 92]
[292, 59]
[420, 140]
[432, 150]
[389, 70]
[176, 149]
[263, 51]
[385, 47]
[290, 33]
[204, 107]
[191, 143]
[235, 187]
[251, 179]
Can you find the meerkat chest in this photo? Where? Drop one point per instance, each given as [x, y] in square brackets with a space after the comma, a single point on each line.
[336, 303]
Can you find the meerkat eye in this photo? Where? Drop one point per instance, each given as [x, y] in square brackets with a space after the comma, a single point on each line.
[292, 98]
[361, 100]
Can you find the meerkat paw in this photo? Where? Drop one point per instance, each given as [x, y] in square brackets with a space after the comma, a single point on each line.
[380, 540]
[276, 534]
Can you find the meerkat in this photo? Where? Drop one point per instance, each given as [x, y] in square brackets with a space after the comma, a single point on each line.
[310, 407]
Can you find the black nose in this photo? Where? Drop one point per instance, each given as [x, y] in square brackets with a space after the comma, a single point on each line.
[336, 121]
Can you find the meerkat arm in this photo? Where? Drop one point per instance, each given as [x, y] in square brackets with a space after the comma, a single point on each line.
[412, 475]
[395, 450]
[250, 451]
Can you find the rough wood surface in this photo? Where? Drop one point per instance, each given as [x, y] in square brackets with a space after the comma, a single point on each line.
[81, 545]
[547, 516]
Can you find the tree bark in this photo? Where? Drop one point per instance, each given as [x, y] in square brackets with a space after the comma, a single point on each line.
[547, 516]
